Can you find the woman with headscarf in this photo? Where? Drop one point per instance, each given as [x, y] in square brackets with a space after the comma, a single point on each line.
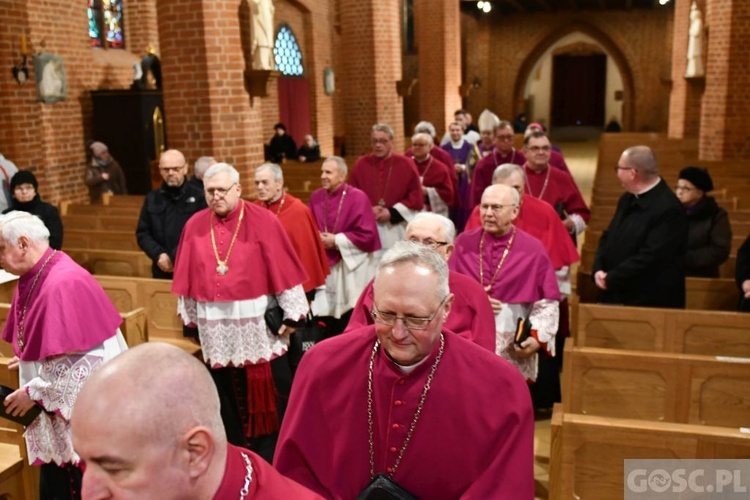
[23, 187]
[709, 233]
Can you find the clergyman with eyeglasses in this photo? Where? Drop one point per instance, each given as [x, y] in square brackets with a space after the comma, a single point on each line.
[516, 272]
[165, 212]
[405, 401]
[471, 314]
[234, 263]
[640, 260]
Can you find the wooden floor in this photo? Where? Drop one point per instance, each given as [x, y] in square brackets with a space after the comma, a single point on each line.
[581, 158]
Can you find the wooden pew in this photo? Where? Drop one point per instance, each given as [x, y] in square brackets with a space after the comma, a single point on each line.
[18, 479]
[123, 200]
[67, 208]
[115, 262]
[709, 333]
[99, 222]
[160, 305]
[718, 294]
[101, 240]
[588, 452]
[665, 387]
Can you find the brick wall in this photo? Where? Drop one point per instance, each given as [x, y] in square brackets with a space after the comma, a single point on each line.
[641, 39]
[686, 95]
[50, 138]
[726, 102]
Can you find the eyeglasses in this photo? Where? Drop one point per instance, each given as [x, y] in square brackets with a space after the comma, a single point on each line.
[410, 322]
[536, 149]
[618, 167]
[494, 208]
[381, 141]
[508, 137]
[419, 144]
[171, 169]
[429, 242]
[684, 188]
[221, 192]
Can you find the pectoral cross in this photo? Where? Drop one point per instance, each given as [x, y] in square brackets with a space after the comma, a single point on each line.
[222, 268]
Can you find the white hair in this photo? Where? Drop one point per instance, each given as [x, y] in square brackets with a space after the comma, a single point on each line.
[15, 224]
[449, 229]
[202, 164]
[217, 168]
[427, 137]
[405, 252]
[278, 174]
[340, 163]
[426, 128]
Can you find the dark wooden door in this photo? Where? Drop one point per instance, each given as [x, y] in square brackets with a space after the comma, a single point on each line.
[578, 90]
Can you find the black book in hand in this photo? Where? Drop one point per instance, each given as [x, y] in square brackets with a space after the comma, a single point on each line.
[27, 417]
[523, 330]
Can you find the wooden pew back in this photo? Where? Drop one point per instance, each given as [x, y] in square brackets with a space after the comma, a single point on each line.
[701, 390]
[708, 333]
[112, 262]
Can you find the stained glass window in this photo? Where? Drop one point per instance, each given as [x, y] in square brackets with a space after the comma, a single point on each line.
[287, 53]
[106, 24]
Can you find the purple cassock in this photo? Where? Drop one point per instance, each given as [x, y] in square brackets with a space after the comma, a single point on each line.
[461, 155]
[471, 314]
[347, 210]
[474, 437]
[526, 275]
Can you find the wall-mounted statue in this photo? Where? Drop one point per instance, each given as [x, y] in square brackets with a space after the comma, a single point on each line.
[695, 66]
[262, 34]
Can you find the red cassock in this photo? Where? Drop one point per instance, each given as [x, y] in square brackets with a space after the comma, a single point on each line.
[482, 177]
[265, 482]
[556, 187]
[471, 315]
[445, 158]
[260, 238]
[542, 222]
[474, 438]
[393, 179]
[303, 232]
[437, 174]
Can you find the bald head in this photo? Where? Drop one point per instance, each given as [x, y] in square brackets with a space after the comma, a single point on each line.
[153, 411]
[173, 167]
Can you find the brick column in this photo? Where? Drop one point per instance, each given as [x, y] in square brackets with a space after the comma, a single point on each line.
[438, 37]
[723, 128]
[371, 53]
[685, 98]
[208, 110]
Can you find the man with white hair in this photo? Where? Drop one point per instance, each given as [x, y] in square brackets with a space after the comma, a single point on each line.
[515, 271]
[436, 177]
[163, 426]
[62, 327]
[234, 263]
[199, 169]
[298, 223]
[350, 235]
[405, 401]
[7, 170]
[471, 315]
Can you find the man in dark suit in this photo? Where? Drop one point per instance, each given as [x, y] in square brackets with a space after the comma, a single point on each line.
[641, 256]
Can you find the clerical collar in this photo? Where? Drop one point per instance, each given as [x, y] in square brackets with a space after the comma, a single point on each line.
[459, 144]
[275, 198]
[649, 188]
[403, 368]
[337, 190]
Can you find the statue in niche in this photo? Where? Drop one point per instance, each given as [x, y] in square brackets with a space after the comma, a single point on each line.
[695, 66]
[262, 34]
[151, 69]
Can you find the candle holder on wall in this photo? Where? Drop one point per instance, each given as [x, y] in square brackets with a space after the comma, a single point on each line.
[20, 70]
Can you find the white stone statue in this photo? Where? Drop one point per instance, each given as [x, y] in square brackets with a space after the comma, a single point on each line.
[52, 80]
[695, 67]
[262, 34]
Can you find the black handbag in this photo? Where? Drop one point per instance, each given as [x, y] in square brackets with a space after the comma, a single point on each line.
[384, 488]
[274, 317]
[303, 339]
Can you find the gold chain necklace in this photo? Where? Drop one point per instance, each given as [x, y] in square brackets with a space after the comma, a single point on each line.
[221, 265]
[381, 201]
[499, 264]
[338, 212]
[417, 412]
[22, 321]
[544, 187]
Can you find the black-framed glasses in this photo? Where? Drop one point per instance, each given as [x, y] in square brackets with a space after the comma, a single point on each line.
[221, 192]
[410, 322]
[429, 242]
[536, 149]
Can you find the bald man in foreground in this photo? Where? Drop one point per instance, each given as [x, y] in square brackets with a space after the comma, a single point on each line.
[145, 432]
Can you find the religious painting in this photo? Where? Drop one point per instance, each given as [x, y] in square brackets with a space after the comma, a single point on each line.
[51, 85]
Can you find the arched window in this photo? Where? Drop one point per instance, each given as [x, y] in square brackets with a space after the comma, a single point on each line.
[105, 24]
[287, 53]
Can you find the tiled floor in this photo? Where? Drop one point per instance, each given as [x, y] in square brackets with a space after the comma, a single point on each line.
[581, 159]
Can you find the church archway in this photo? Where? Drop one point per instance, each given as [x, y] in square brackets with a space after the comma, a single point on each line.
[574, 33]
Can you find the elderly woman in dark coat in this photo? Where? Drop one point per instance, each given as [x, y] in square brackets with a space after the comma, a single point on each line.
[23, 186]
[709, 233]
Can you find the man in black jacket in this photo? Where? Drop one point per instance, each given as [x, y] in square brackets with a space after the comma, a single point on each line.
[641, 256]
[165, 212]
